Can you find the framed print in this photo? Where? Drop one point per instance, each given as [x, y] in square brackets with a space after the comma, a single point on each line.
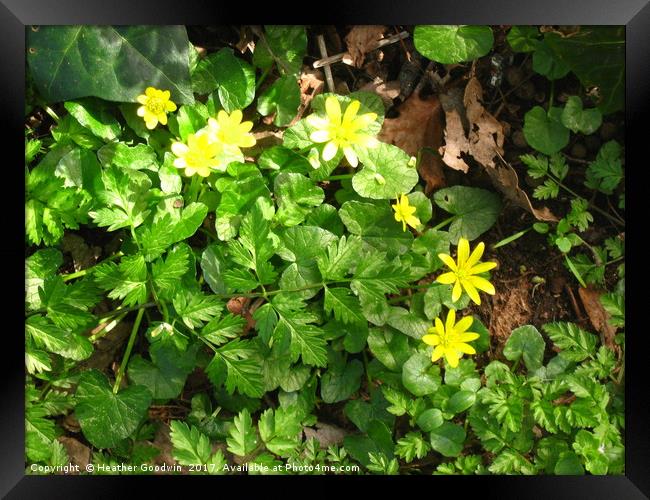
[384, 242]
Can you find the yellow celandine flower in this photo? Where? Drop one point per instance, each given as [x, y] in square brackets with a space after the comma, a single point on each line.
[155, 106]
[230, 130]
[450, 340]
[199, 155]
[405, 213]
[463, 273]
[342, 130]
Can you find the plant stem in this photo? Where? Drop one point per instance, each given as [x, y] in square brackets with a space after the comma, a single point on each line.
[127, 353]
[263, 77]
[130, 309]
[510, 239]
[83, 272]
[552, 95]
[339, 177]
[445, 222]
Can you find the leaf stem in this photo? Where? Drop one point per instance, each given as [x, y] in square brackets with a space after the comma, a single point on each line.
[339, 177]
[445, 222]
[127, 353]
[83, 272]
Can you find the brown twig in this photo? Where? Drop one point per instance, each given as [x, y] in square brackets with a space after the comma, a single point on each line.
[328, 70]
[327, 60]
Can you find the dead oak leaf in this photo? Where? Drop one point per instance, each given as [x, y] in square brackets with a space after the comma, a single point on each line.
[418, 126]
[361, 40]
[598, 316]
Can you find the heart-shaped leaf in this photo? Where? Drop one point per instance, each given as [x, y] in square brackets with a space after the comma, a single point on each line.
[385, 173]
[528, 343]
[544, 131]
[577, 119]
[448, 44]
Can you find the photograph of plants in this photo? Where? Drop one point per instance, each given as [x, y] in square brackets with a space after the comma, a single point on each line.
[324, 250]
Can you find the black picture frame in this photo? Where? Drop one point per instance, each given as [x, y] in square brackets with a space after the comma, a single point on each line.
[16, 15]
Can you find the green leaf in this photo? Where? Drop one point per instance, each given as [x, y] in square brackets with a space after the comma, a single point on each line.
[243, 372]
[412, 445]
[577, 119]
[575, 343]
[165, 375]
[430, 419]
[95, 118]
[460, 401]
[167, 273]
[306, 339]
[389, 346]
[420, 376]
[385, 173]
[107, 418]
[528, 343]
[606, 171]
[448, 439]
[408, 322]
[302, 244]
[38, 266]
[343, 306]
[230, 76]
[281, 158]
[476, 210]
[448, 44]
[568, 464]
[128, 281]
[281, 98]
[546, 63]
[341, 380]
[596, 54]
[191, 447]
[285, 45]
[242, 439]
[212, 265]
[194, 308]
[115, 63]
[523, 38]
[296, 196]
[138, 157]
[544, 131]
[57, 340]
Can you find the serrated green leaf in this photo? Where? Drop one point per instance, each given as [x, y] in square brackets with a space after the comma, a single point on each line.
[242, 439]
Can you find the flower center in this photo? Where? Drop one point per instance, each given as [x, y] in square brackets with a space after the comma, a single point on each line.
[155, 105]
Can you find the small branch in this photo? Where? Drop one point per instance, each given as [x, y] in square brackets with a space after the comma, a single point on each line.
[328, 70]
[326, 61]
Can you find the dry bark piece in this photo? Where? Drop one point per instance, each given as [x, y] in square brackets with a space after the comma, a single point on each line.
[361, 40]
[419, 125]
[598, 316]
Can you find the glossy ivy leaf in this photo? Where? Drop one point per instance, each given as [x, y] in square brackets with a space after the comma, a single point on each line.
[587, 53]
[232, 78]
[448, 44]
[546, 63]
[242, 439]
[527, 343]
[523, 38]
[448, 439]
[167, 371]
[544, 130]
[476, 210]
[110, 62]
[107, 418]
[577, 119]
[296, 196]
[575, 343]
[385, 173]
[420, 376]
[284, 45]
[281, 98]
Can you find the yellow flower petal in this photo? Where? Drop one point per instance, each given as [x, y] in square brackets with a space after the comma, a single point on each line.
[150, 92]
[463, 252]
[431, 340]
[456, 292]
[437, 353]
[447, 278]
[482, 267]
[330, 150]
[440, 328]
[141, 111]
[170, 106]
[165, 94]
[467, 336]
[245, 127]
[476, 255]
[162, 118]
[464, 324]
[482, 284]
[351, 156]
[452, 358]
[471, 291]
[179, 149]
[451, 320]
[465, 348]
[449, 262]
[413, 221]
[142, 99]
[333, 110]
[351, 111]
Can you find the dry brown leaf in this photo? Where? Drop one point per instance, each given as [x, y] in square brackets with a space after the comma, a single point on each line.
[78, 452]
[325, 434]
[598, 316]
[388, 91]
[484, 139]
[361, 40]
[419, 125]
[505, 180]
